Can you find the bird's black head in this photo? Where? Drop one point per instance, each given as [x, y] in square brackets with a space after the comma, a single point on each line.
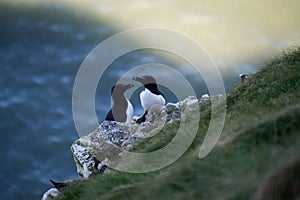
[145, 80]
[120, 88]
[149, 82]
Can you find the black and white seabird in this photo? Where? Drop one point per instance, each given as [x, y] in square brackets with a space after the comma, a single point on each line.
[150, 96]
[59, 186]
[121, 110]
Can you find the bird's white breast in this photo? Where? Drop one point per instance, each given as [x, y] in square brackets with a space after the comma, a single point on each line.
[148, 99]
[129, 112]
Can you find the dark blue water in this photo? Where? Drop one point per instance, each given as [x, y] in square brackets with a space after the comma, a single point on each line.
[41, 49]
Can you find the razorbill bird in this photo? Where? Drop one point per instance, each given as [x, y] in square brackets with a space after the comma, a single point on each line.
[150, 96]
[121, 110]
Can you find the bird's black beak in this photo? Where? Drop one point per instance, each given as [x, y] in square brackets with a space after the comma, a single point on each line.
[139, 79]
[128, 86]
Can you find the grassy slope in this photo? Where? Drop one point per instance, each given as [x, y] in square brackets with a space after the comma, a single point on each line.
[256, 157]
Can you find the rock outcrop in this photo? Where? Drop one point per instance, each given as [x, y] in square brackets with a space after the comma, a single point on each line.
[104, 145]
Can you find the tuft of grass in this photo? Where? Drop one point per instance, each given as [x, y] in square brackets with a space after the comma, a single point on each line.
[257, 156]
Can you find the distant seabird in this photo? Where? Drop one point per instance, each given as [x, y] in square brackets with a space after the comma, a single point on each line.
[150, 96]
[59, 186]
[121, 110]
[244, 77]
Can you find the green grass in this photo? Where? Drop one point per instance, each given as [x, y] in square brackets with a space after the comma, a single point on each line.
[256, 157]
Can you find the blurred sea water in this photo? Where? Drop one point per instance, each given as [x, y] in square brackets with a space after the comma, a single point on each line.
[42, 46]
[41, 50]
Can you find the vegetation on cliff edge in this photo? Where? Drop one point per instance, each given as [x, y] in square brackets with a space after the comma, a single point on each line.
[256, 157]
